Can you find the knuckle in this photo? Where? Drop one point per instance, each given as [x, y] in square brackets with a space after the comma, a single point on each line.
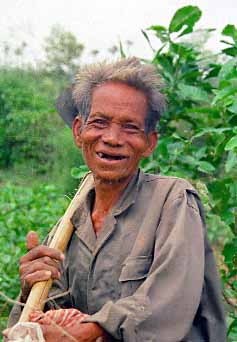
[46, 259]
[37, 250]
[21, 269]
[26, 277]
[40, 248]
[26, 280]
[22, 279]
[22, 260]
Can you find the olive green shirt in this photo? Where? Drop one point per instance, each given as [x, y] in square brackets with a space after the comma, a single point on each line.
[150, 274]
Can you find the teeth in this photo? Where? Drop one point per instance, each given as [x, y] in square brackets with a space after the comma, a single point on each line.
[103, 155]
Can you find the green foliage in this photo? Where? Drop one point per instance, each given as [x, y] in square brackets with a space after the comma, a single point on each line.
[79, 172]
[34, 141]
[198, 134]
[230, 31]
[62, 51]
[185, 18]
[27, 119]
[23, 209]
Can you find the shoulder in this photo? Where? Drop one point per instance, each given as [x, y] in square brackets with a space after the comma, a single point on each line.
[168, 183]
[169, 189]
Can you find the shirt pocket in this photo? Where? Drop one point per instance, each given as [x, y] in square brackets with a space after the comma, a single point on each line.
[134, 272]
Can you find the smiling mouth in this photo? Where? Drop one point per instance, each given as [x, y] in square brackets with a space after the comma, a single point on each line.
[106, 156]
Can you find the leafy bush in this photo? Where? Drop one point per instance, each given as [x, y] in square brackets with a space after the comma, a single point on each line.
[199, 133]
[27, 118]
[23, 209]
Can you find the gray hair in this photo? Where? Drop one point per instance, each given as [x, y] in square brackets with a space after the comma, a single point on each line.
[129, 71]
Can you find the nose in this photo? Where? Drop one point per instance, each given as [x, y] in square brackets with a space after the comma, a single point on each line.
[112, 135]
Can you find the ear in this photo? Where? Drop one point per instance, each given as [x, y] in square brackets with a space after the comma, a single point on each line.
[76, 130]
[152, 139]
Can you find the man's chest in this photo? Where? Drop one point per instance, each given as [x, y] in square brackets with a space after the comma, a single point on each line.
[110, 267]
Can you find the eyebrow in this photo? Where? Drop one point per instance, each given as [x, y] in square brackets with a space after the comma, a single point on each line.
[101, 115]
[108, 117]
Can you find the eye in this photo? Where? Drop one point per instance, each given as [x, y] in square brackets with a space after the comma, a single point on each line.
[131, 127]
[98, 123]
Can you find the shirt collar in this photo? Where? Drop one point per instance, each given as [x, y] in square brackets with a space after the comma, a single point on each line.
[129, 195]
[127, 199]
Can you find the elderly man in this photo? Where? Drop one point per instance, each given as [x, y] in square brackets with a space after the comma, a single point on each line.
[138, 265]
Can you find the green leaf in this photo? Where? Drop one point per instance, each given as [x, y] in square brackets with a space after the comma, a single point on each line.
[189, 160]
[161, 32]
[232, 329]
[205, 167]
[151, 166]
[233, 107]
[147, 39]
[166, 63]
[201, 153]
[214, 70]
[193, 93]
[231, 161]
[230, 251]
[121, 50]
[230, 31]
[232, 143]
[230, 51]
[79, 172]
[228, 70]
[224, 93]
[185, 17]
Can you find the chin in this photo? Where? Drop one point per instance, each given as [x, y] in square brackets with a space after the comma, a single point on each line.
[111, 178]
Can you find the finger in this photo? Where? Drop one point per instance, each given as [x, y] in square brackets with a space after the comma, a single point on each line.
[39, 267]
[32, 240]
[50, 333]
[54, 333]
[33, 278]
[5, 332]
[42, 251]
[41, 264]
[35, 316]
[51, 262]
[40, 318]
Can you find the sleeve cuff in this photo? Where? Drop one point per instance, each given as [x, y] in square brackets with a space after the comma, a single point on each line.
[120, 319]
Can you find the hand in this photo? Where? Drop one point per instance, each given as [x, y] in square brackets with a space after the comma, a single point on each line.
[40, 263]
[83, 332]
[61, 317]
[67, 325]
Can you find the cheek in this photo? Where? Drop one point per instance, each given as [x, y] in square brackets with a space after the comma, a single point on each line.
[89, 137]
[138, 145]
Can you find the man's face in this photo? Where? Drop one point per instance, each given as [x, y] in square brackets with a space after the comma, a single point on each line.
[113, 139]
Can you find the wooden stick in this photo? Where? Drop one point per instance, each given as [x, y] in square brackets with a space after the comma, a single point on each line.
[40, 290]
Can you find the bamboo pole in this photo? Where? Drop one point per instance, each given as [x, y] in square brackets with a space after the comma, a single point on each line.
[40, 290]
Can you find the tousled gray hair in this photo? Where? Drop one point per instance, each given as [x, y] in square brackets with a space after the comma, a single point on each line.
[129, 71]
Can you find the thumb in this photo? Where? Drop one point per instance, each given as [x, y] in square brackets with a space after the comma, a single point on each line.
[5, 332]
[32, 240]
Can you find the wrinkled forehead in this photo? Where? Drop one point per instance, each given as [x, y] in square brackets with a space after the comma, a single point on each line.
[118, 93]
[120, 100]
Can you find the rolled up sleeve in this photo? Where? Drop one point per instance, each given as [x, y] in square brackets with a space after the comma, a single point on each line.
[162, 309]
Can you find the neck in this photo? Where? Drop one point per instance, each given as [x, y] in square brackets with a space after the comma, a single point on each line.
[107, 195]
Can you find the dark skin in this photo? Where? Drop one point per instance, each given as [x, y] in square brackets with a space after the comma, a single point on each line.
[113, 141]
[42, 263]
[87, 332]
